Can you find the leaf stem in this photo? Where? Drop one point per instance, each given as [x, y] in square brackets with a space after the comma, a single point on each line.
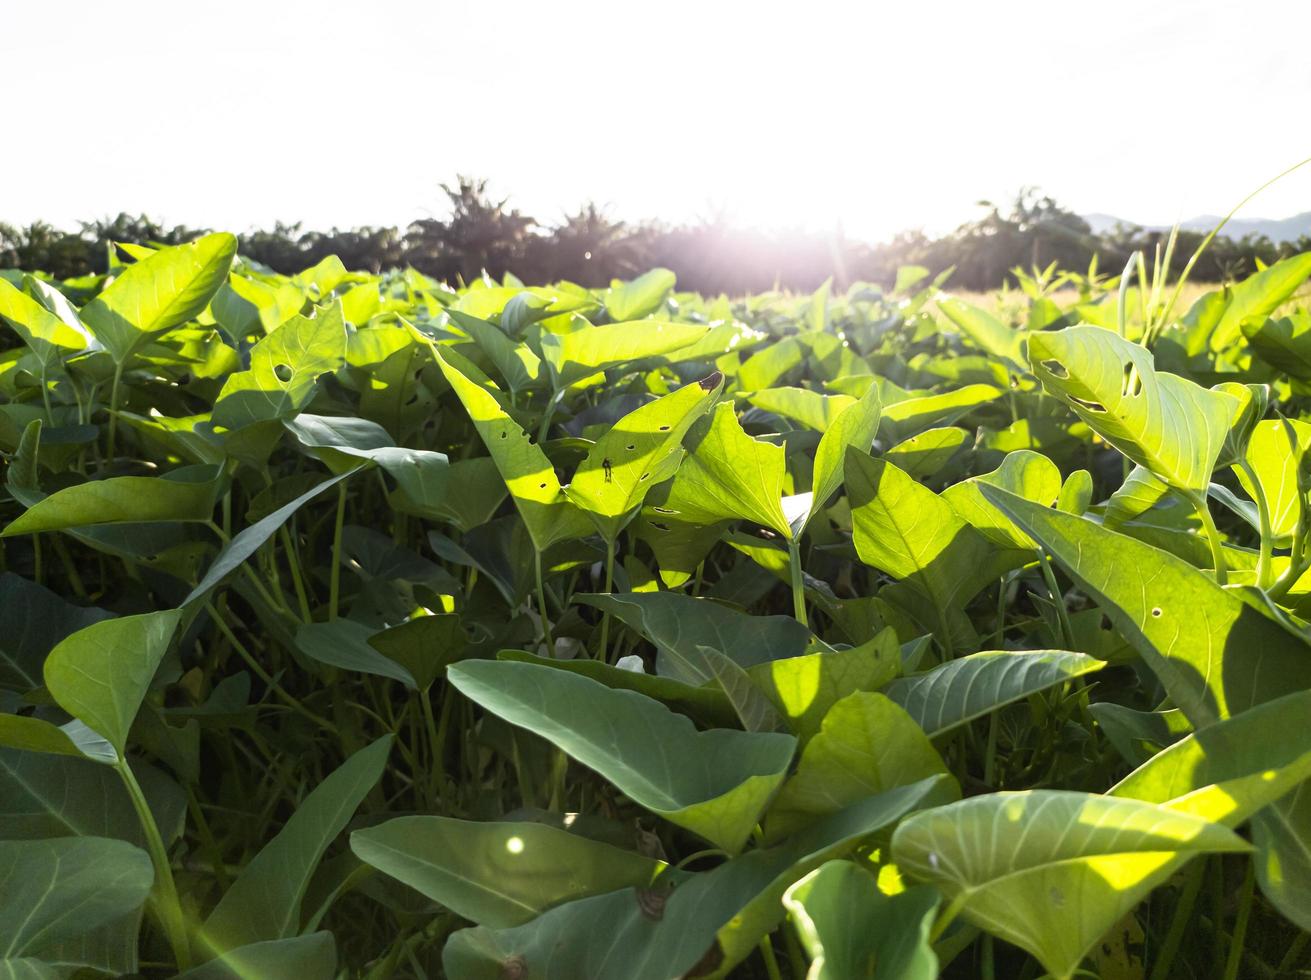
[541, 605]
[167, 905]
[1183, 913]
[1265, 562]
[113, 412]
[609, 584]
[334, 576]
[1212, 534]
[1058, 599]
[1240, 925]
[798, 582]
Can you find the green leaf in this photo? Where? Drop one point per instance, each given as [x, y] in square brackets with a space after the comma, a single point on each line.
[308, 957]
[854, 428]
[851, 929]
[36, 619]
[284, 370]
[264, 902]
[423, 647]
[1168, 424]
[518, 365]
[547, 513]
[970, 687]
[1140, 492]
[37, 735]
[245, 544]
[764, 368]
[1275, 452]
[158, 293]
[1257, 296]
[987, 333]
[1026, 474]
[754, 710]
[641, 450]
[1217, 651]
[923, 455]
[810, 408]
[1284, 344]
[1229, 771]
[679, 625]
[46, 796]
[713, 783]
[728, 475]
[906, 418]
[582, 353]
[186, 494]
[59, 889]
[344, 643]
[705, 926]
[100, 674]
[804, 688]
[639, 297]
[705, 703]
[908, 531]
[48, 337]
[1049, 870]
[498, 874]
[866, 745]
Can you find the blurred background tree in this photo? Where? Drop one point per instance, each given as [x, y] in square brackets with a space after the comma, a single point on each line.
[481, 232]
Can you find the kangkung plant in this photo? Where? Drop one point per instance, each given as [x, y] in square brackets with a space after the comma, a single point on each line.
[359, 626]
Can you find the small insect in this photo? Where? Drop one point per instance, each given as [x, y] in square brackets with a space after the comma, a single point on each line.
[609, 470]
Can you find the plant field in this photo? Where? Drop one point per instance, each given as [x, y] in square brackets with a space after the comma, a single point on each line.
[360, 626]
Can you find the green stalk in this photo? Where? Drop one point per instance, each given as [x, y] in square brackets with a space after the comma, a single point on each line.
[113, 413]
[264, 675]
[1265, 562]
[434, 742]
[1054, 590]
[609, 584]
[334, 576]
[771, 963]
[167, 904]
[1212, 535]
[541, 605]
[302, 598]
[798, 582]
[1183, 912]
[1240, 925]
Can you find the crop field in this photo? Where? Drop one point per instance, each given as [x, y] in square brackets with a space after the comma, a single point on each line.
[363, 626]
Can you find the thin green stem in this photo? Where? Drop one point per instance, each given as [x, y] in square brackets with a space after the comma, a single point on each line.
[541, 605]
[771, 963]
[1265, 562]
[167, 904]
[798, 582]
[113, 413]
[1240, 925]
[1199, 503]
[1183, 913]
[257, 668]
[293, 562]
[1058, 599]
[334, 576]
[434, 741]
[609, 584]
[947, 916]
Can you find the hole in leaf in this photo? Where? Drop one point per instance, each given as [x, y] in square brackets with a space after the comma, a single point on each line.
[644, 476]
[504, 434]
[1156, 612]
[1130, 383]
[659, 527]
[630, 448]
[664, 510]
[282, 372]
[1091, 406]
[664, 428]
[707, 383]
[1056, 368]
[412, 399]
[541, 486]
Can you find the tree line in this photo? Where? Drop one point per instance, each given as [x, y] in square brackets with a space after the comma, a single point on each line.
[715, 255]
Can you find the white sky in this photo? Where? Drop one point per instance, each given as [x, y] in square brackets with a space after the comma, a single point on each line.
[880, 115]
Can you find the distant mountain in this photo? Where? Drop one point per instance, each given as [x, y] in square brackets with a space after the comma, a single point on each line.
[1277, 230]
